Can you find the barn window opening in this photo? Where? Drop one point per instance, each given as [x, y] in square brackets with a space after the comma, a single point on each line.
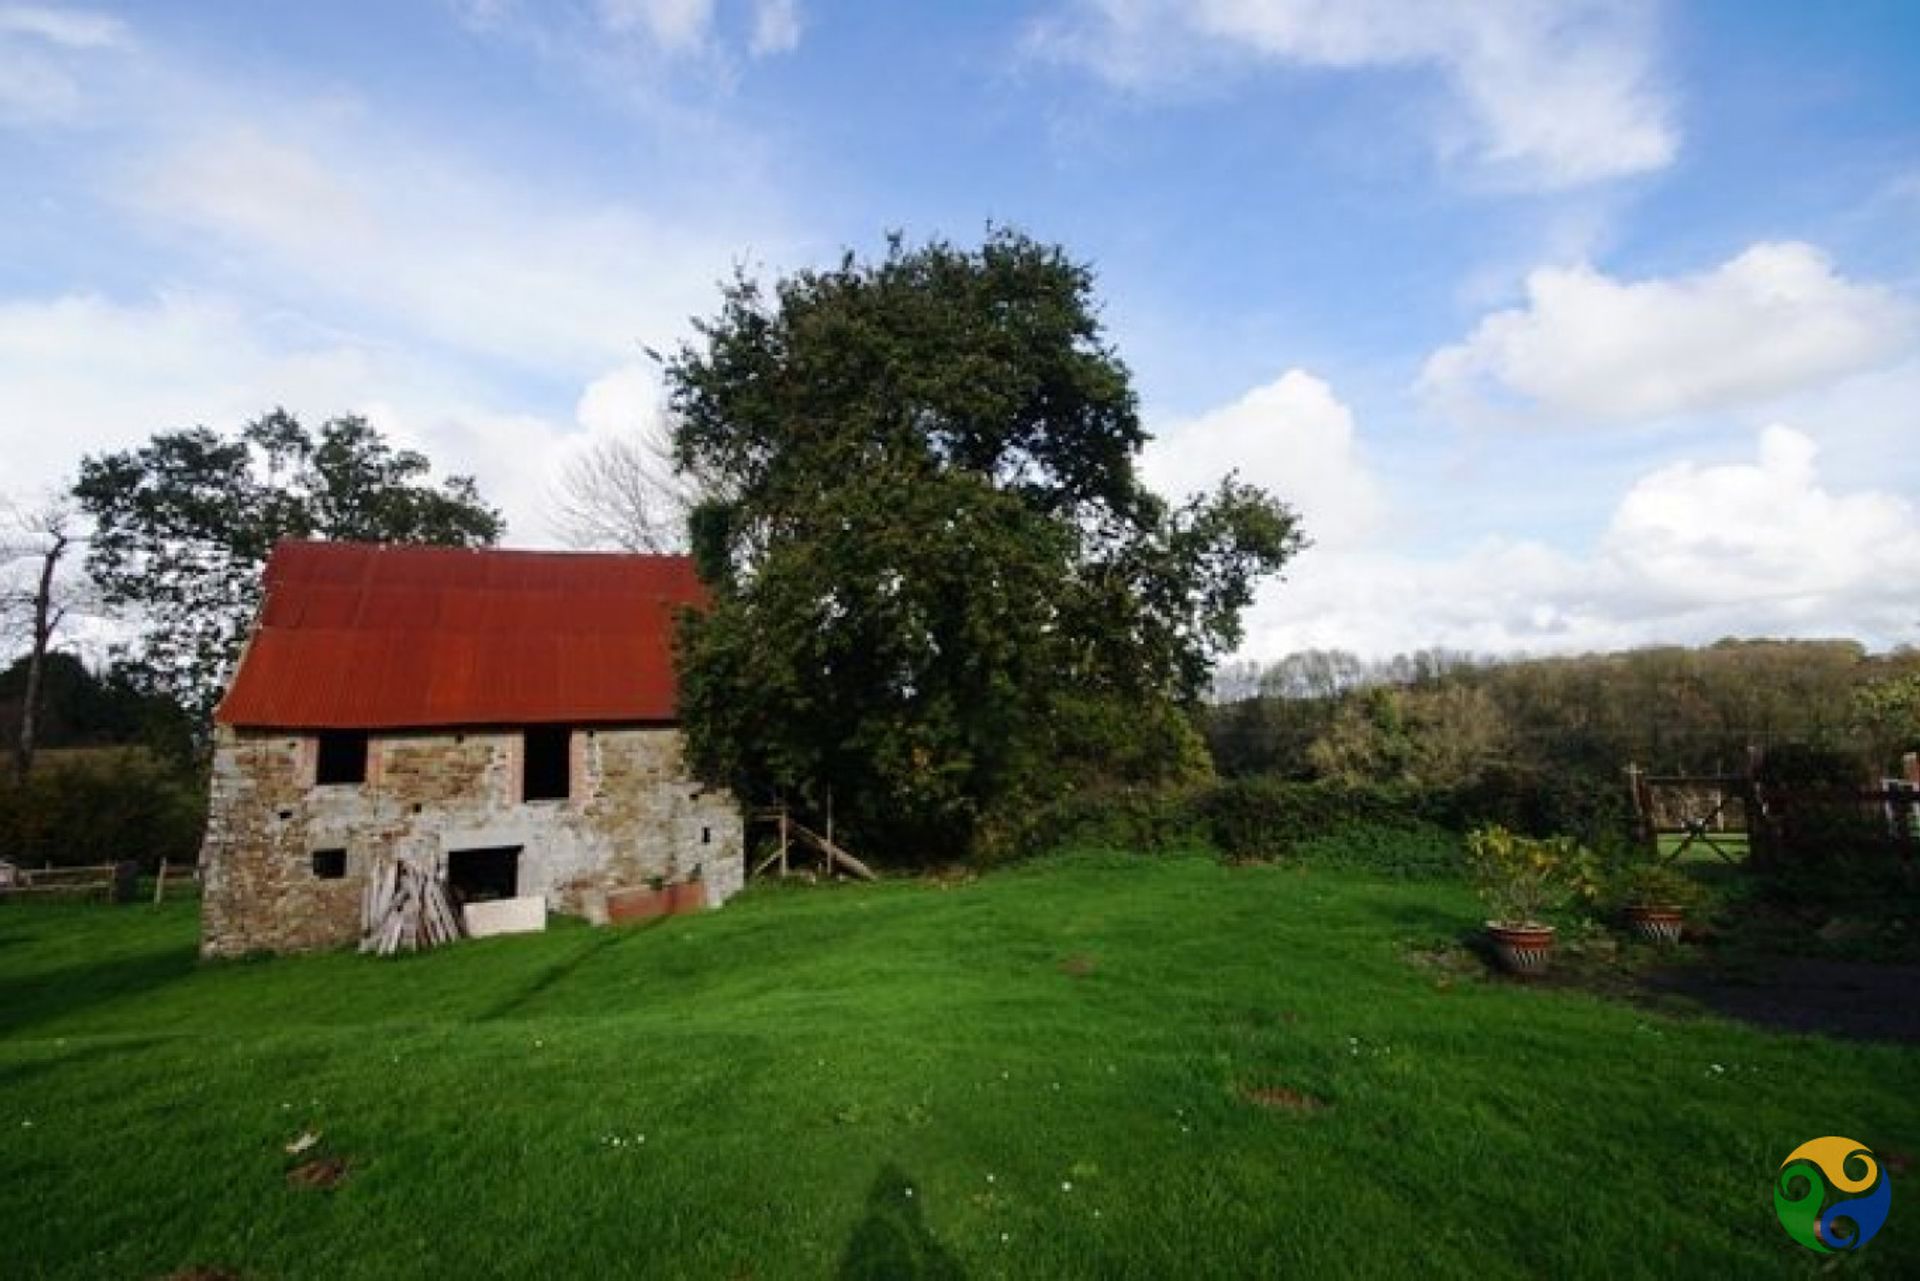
[706, 836]
[482, 875]
[342, 758]
[547, 767]
[329, 865]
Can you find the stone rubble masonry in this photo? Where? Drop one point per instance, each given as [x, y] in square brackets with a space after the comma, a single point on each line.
[634, 814]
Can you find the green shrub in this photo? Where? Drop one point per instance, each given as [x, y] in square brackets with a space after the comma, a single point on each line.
[1143, 818]
[1812, 767]
[1263, 818]
[1537, 802]
[1413, 849]
[102, 807]
[1522, 878]
[1650, 883]
[1824, 843]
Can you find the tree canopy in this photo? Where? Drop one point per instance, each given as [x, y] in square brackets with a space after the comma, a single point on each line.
[80, 707]
[184, 523]
[941, 589]
[1671, 709]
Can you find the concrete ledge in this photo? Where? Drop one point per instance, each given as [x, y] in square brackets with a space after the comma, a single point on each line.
[506, 916]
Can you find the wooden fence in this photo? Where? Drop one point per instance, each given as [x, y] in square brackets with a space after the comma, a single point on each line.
[110, 882]
[1704, 810]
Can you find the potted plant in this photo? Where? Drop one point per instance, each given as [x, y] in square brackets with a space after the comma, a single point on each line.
[1655, 898]
[1520, 878]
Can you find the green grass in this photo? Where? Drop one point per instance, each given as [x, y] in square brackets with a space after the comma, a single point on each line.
[1698, 851]
[800, 1060]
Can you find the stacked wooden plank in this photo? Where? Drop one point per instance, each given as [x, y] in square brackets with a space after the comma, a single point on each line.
[405, 909]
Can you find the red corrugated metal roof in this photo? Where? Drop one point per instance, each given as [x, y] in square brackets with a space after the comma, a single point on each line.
[365, 636]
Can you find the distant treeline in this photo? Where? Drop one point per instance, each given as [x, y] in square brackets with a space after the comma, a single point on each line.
[1440, 718]
[118, 776]
[81, 707]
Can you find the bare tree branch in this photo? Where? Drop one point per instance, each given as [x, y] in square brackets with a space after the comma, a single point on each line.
[40, 536]
[624, 492]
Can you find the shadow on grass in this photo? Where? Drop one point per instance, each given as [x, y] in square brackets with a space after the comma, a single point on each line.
[558, 973]
[1439, 923]
[892, 1241]
[1844, 999]
[62, 993]
[19, 1072]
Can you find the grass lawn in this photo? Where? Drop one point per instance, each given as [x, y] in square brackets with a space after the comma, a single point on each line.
[1699, 851]
[1053, 1071]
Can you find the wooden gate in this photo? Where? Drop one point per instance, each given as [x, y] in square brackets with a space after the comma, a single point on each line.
[1704, 810]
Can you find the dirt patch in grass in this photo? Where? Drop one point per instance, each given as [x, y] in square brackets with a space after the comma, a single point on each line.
[327, 1173]
[1281, 1098]
[202, 1274]
[1079, 966]
[1446, 964]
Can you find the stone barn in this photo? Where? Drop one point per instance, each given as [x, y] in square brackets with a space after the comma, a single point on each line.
[504, 719]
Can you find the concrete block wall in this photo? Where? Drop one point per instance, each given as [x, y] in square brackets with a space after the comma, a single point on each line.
[634, 813]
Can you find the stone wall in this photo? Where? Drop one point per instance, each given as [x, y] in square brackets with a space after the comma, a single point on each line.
[633, 813]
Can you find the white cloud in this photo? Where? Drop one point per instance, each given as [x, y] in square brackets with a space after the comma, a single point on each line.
[1588, 346]
[80, 372]
[83, 374]
[1552, 93]
[776, 27]
[1293, 438]
[677, 26]
[39, 47]
[72, 28]
[241, 183]
[416, 240]
[1687, 552]
[622, 401]
[1766, 535]
[344, 264]
[659, 32]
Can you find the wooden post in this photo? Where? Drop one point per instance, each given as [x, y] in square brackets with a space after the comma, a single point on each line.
[1760, 828]
[160, 884]
[783, 840]
[826, 859]
[1642, 810]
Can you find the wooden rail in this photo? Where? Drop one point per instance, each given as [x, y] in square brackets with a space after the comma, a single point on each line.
[114, 882]
[792, 829]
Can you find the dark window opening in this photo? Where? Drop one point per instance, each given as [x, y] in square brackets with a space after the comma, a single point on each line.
[480, 876]
[329, 865]
[547, 766]
[342, 757]
[706, 836]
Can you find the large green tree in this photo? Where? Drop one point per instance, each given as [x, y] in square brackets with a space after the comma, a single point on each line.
[183, 525]
[940, 589]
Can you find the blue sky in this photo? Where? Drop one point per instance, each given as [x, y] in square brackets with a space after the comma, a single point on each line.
[1566, 325]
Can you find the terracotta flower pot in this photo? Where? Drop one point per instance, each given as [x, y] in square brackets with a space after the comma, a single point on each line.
[638, 905]
[1656, 922]
[689, 896]
[1522, 949]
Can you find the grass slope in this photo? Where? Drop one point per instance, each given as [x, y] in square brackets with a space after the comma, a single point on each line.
[1053, 1061]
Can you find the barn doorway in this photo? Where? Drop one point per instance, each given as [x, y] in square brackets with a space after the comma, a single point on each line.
[482, 875]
